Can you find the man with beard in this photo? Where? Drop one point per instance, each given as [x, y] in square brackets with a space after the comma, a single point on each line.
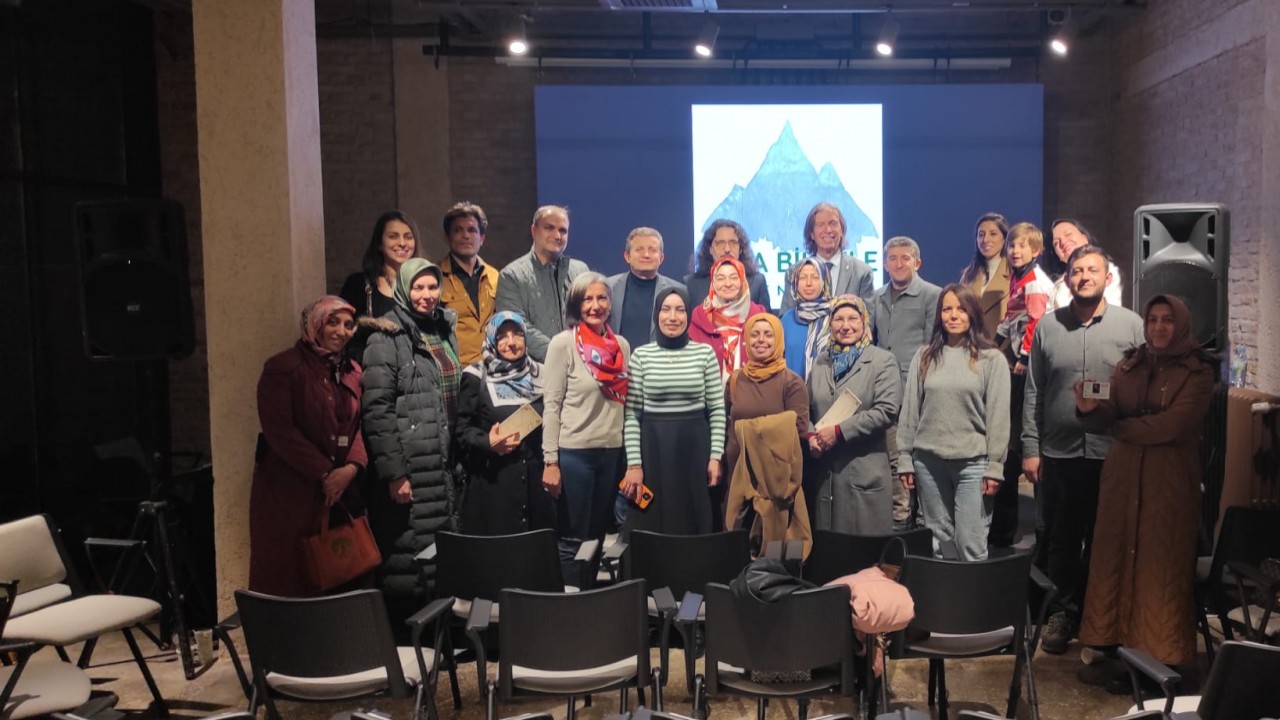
[1081, 342]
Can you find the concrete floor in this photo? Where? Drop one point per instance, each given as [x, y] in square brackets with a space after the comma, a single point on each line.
[974, 684]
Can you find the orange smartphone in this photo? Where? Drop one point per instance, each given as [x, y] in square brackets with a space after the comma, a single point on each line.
[646, 495]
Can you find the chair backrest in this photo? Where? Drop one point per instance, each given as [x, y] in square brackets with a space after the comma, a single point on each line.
[1242, 683]
[1247, 535]
[30, 552]
[963, 598]
[686, 563]
[572, 631]
[805, 630]
[320, 637]
[837, 554]
[477, 566]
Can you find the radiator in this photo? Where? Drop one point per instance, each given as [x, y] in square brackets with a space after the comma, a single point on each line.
[1250, 457]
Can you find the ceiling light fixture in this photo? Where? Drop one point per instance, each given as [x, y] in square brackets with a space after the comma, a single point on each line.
[706, 44]
[888, 36]
[1059, 45]
[519, 43]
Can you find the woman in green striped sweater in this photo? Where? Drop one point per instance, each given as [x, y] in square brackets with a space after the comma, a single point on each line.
[674, 425]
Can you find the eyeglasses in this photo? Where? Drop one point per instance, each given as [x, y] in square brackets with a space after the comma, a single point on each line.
[724, 243]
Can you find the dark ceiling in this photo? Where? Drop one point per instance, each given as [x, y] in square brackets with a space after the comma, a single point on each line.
[756, 31]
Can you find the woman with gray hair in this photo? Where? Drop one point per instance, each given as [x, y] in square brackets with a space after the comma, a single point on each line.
[585, 391]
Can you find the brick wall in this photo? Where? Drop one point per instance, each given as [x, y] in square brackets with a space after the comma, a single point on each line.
[1194, 134]
[357, 147]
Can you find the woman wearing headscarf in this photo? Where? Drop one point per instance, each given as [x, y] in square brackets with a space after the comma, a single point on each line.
[806, 326]
[1144, 543]
[410, 386]
[953, 433]
[674, 426]
[764, 387]
[504, 492]
[718, 321]
[850, 471]
[310, 449]
[586, 383]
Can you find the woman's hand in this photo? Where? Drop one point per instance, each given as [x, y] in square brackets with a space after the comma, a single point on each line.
[401, 492]
[990, 486]
[908, 480]
[502, 444]
[1019, 368]
[1083, 404]
[713, 473]
[631, 483]
[815, 447]
[336, 482]
[551, 480]
[827, 437]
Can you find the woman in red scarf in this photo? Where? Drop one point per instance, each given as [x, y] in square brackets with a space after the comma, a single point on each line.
[310, 449]
[585, 389]
[719, 319]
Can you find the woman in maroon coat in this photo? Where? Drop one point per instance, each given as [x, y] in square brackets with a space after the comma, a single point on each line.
[310, 449]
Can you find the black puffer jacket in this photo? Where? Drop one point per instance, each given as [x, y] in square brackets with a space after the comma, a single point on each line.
[404, 423]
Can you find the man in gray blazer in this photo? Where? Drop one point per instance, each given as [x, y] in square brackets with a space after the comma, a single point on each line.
[537, 284]
[634, 291]
[824, 239]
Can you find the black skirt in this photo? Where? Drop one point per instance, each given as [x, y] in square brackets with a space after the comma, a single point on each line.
[676, 448]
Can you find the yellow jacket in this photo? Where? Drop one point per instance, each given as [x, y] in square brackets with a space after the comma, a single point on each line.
[471, 320]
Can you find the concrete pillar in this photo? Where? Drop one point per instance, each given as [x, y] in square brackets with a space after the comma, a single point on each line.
[1267, 377]
[263, 226]
[423, 186]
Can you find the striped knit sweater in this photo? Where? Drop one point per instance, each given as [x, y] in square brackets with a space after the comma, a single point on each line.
[670, 381]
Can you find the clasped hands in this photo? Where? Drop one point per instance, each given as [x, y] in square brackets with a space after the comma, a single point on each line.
[823, 439]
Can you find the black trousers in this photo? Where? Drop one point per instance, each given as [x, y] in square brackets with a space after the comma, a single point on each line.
[1071, 485]
[1004, 508]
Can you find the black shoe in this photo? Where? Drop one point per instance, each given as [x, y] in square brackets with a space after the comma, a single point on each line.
[1057, 634]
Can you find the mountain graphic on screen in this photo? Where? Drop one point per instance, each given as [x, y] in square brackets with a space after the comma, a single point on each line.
[776, 201]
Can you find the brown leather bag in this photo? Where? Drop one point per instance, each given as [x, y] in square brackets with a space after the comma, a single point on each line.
[335, 555]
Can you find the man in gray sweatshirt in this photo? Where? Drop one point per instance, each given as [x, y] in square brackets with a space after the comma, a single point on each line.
[535, 285]
[1081, 342]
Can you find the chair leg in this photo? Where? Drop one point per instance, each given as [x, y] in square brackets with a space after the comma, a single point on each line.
[942, 689]
[162, 708]
[1015, 686]
[622, 700]
[62, 654]
[699, 699]
[86, 653]
[491, 702]
[572, 712]
[762, 705]
[1202, 618]
[804, 709]
[933, 682]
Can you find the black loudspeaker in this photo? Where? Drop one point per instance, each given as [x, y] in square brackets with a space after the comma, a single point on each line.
[1181, 249]
[135, 291]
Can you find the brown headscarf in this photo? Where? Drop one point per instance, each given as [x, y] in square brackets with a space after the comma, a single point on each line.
[760, 371]
[315, 315]
[1143, 363]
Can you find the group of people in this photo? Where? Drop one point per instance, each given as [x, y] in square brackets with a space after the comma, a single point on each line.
[688, 407]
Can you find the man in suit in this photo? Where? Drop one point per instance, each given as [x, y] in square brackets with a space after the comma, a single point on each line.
[824, 231]
[537, 284]
[634, 291]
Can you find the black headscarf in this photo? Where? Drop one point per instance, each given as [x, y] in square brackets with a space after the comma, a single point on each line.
[671, 343]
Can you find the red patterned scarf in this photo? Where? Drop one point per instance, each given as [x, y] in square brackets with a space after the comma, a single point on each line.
[604, 359]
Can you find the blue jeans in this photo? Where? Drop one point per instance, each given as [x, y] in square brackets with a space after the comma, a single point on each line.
[588, 488]
[955, 509]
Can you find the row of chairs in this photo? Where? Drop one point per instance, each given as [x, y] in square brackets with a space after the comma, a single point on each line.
[573, 645]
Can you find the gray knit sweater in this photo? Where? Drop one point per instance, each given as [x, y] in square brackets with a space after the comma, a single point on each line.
[961, 412]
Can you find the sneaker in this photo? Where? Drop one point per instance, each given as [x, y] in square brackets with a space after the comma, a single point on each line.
[1057, 634]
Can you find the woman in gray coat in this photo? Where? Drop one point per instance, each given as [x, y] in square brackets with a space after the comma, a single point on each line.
[848, 473]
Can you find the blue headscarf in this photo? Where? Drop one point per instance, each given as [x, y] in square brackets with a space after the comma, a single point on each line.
[510, 382]
[844, 356]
